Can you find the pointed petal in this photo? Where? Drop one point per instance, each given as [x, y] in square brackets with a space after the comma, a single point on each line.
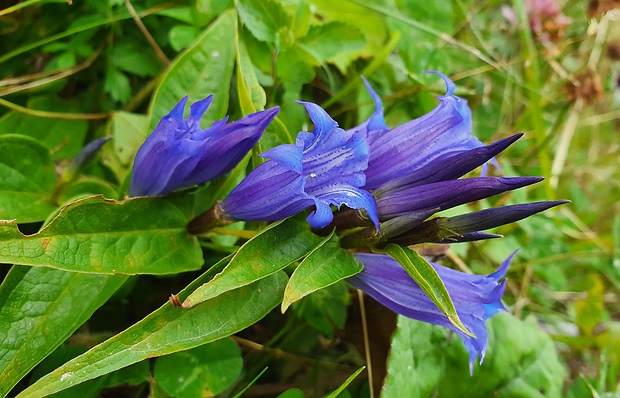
[446, 194]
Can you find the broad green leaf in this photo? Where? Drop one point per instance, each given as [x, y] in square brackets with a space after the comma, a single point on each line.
[204, 69]
[429, 281]
[27, 179]
[370, 23]
[96, 235]
[266, 19]
[63, 137]
[202, 371]
[167, 330]
[265, 254]
[40, 308]
[521, 362]
[333, 41]
[327, 264]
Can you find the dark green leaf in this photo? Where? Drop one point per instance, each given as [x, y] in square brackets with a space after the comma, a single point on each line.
[265, 254]
[205, 68]
[429, 281]
[96, 235]
[40, 308]
[117, 84]
[327, 264]
[128, 57]
[167, 330]
[202, 371]
[27, 179]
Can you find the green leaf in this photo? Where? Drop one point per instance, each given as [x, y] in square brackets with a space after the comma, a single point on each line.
[265, 254]
[429, 281]
[117, 84]
[167, 330]
[86, 187]
[96, 235]
[128, 57]
[204, 69]
[333, 40]
[370, 23]
[327, 264]
[251, 95]
[264, 18]
[27, 179]
[40, 308]
[521, 362]
[63, 137]
[344, 385]
[202, 371]
[183, 36]
[128, 134]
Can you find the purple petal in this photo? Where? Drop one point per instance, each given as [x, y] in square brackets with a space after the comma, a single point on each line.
[325, 167]
[475, 297]
[376, 123]
[446, 194]
[451, 166]
[227, 145]
[179, 154]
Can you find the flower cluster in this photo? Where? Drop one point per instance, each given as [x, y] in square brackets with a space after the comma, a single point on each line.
[372, 184]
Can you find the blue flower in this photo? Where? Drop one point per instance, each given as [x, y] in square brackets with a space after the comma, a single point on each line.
[415, 171]
[325, 167]
[179, 153]
[400, 151]
[476, 297]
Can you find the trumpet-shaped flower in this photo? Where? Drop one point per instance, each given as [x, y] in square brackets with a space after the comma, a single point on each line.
[179, 153]
[325, 167]
[402, 150]
[476, 297]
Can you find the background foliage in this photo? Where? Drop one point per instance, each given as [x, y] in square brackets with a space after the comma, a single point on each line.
[71, 73]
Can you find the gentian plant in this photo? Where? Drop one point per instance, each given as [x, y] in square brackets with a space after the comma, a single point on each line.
[385, 184]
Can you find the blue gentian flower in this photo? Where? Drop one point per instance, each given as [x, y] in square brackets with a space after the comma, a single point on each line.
[415, 171]
[476, 297]
[325, 167]
[402, 150]
[179, 153]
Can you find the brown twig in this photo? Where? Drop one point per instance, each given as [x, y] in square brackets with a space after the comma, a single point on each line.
[158, 51]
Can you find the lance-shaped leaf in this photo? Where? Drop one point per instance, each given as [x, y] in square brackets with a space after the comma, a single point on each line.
[169, 329]
[327, 264]
[265, 254]
[96, 235]
[27, 179]
[429, 281]
[40, 308]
